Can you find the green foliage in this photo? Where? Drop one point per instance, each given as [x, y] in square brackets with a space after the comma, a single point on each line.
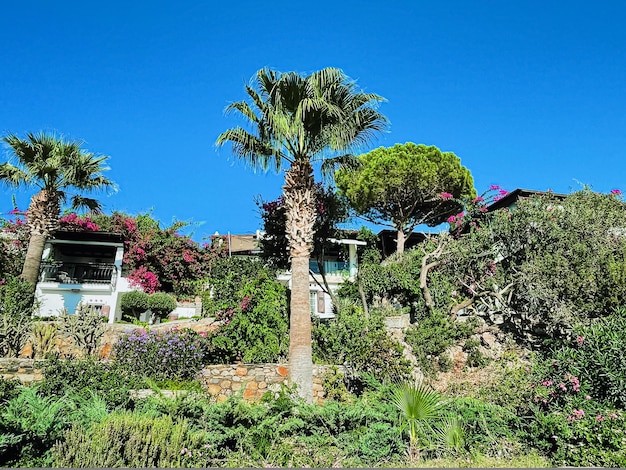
[423, 410]
[431, 337]
[565, 261]
[475, 358]
[227, 277]
[161, 304]
[173, 354]
[16, 308]
[127, 439]
[490, 429]
[134, 303]
[402, 185]
[35, 422]
[43, 337]
[83, 377]
[9, 389]
[360, 343]
[85, 328]
[597, 356]
[255, 330]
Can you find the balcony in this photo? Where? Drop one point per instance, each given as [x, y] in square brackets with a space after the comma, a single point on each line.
[337, 268]
[78, 273]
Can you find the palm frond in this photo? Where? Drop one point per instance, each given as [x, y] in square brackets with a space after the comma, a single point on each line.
[79, 202]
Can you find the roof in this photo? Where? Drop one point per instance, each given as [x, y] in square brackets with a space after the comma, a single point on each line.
[510, 198]
[111, 237]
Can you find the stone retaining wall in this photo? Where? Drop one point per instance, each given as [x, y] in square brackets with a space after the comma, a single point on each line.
[26, 371]
[222, 381]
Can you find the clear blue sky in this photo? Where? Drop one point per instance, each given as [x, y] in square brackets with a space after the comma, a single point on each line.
[528, 94]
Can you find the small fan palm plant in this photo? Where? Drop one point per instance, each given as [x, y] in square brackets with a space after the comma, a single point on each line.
[424, 412]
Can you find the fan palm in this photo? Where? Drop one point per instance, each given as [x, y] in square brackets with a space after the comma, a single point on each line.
[295, 122]
[54, 166]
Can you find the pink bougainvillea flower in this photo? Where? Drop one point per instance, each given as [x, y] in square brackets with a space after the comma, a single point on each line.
[451, 219]
[478, 199]
[497, 198]
[460, 215]
[616, 191]
[503, 192]
[446, 196]
[494, 187]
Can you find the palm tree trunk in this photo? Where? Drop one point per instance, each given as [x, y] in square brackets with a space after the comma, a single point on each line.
[300, 207]
[42, 218]
[32, 262]
[300, 350]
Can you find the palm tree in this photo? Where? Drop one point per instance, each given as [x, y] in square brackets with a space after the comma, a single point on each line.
[295, 122]
[53, 166]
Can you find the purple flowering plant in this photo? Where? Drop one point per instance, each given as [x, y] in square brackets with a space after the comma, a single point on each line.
[163, 355]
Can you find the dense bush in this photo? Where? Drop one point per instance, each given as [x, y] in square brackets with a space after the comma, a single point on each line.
[432, 336]
[129, 440]
[85, 377]
[134, 303]
[172, 354]
[255, 330]
[16, 308]
[161, 304]
[596, 354]
[563, 260]
[226, 279]
[360, 343]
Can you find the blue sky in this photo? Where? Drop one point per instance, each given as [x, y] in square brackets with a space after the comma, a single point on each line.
[528, 94]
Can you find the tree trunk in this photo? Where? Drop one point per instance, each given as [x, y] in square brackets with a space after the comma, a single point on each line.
[300, 206]
[400, 241]
[300, 349]
[32, 263]
[42, 218]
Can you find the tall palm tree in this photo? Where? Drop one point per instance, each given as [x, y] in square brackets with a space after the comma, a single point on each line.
[296, 121]
[55, 167]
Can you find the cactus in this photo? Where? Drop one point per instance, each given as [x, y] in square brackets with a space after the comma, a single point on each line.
[85, 328]
[43, 338]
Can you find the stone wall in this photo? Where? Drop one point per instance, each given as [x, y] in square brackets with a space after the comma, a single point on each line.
[221, 381]
[254, 380]
[26, 371]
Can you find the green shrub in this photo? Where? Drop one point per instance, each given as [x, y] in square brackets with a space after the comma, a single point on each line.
[430, 339]
[87, 376]
[475, 357]
[35, 422]
[255, 329]
[134, 303]
[172, 354]
[161, 304]
[596, 354]
[127, 439]
[16, 307]
[360, 343]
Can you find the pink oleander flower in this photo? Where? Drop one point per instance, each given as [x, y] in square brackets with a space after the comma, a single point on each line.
[580, 340]
[445, 196]
[599, 418]
[616, 192]
[497, 198]
[613, 416]
[503, 192]
[451, 219]
[588, 397]
[478, 199]
[494, 187]
[460, 215]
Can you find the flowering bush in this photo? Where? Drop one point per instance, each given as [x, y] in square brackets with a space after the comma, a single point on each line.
[75, 223]
[173, 354]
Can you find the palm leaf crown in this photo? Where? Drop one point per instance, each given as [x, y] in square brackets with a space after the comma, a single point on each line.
[55, 165]
[295, 117]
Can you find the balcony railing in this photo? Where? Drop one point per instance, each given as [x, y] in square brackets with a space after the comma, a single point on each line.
[330, 267]
[78, 273]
